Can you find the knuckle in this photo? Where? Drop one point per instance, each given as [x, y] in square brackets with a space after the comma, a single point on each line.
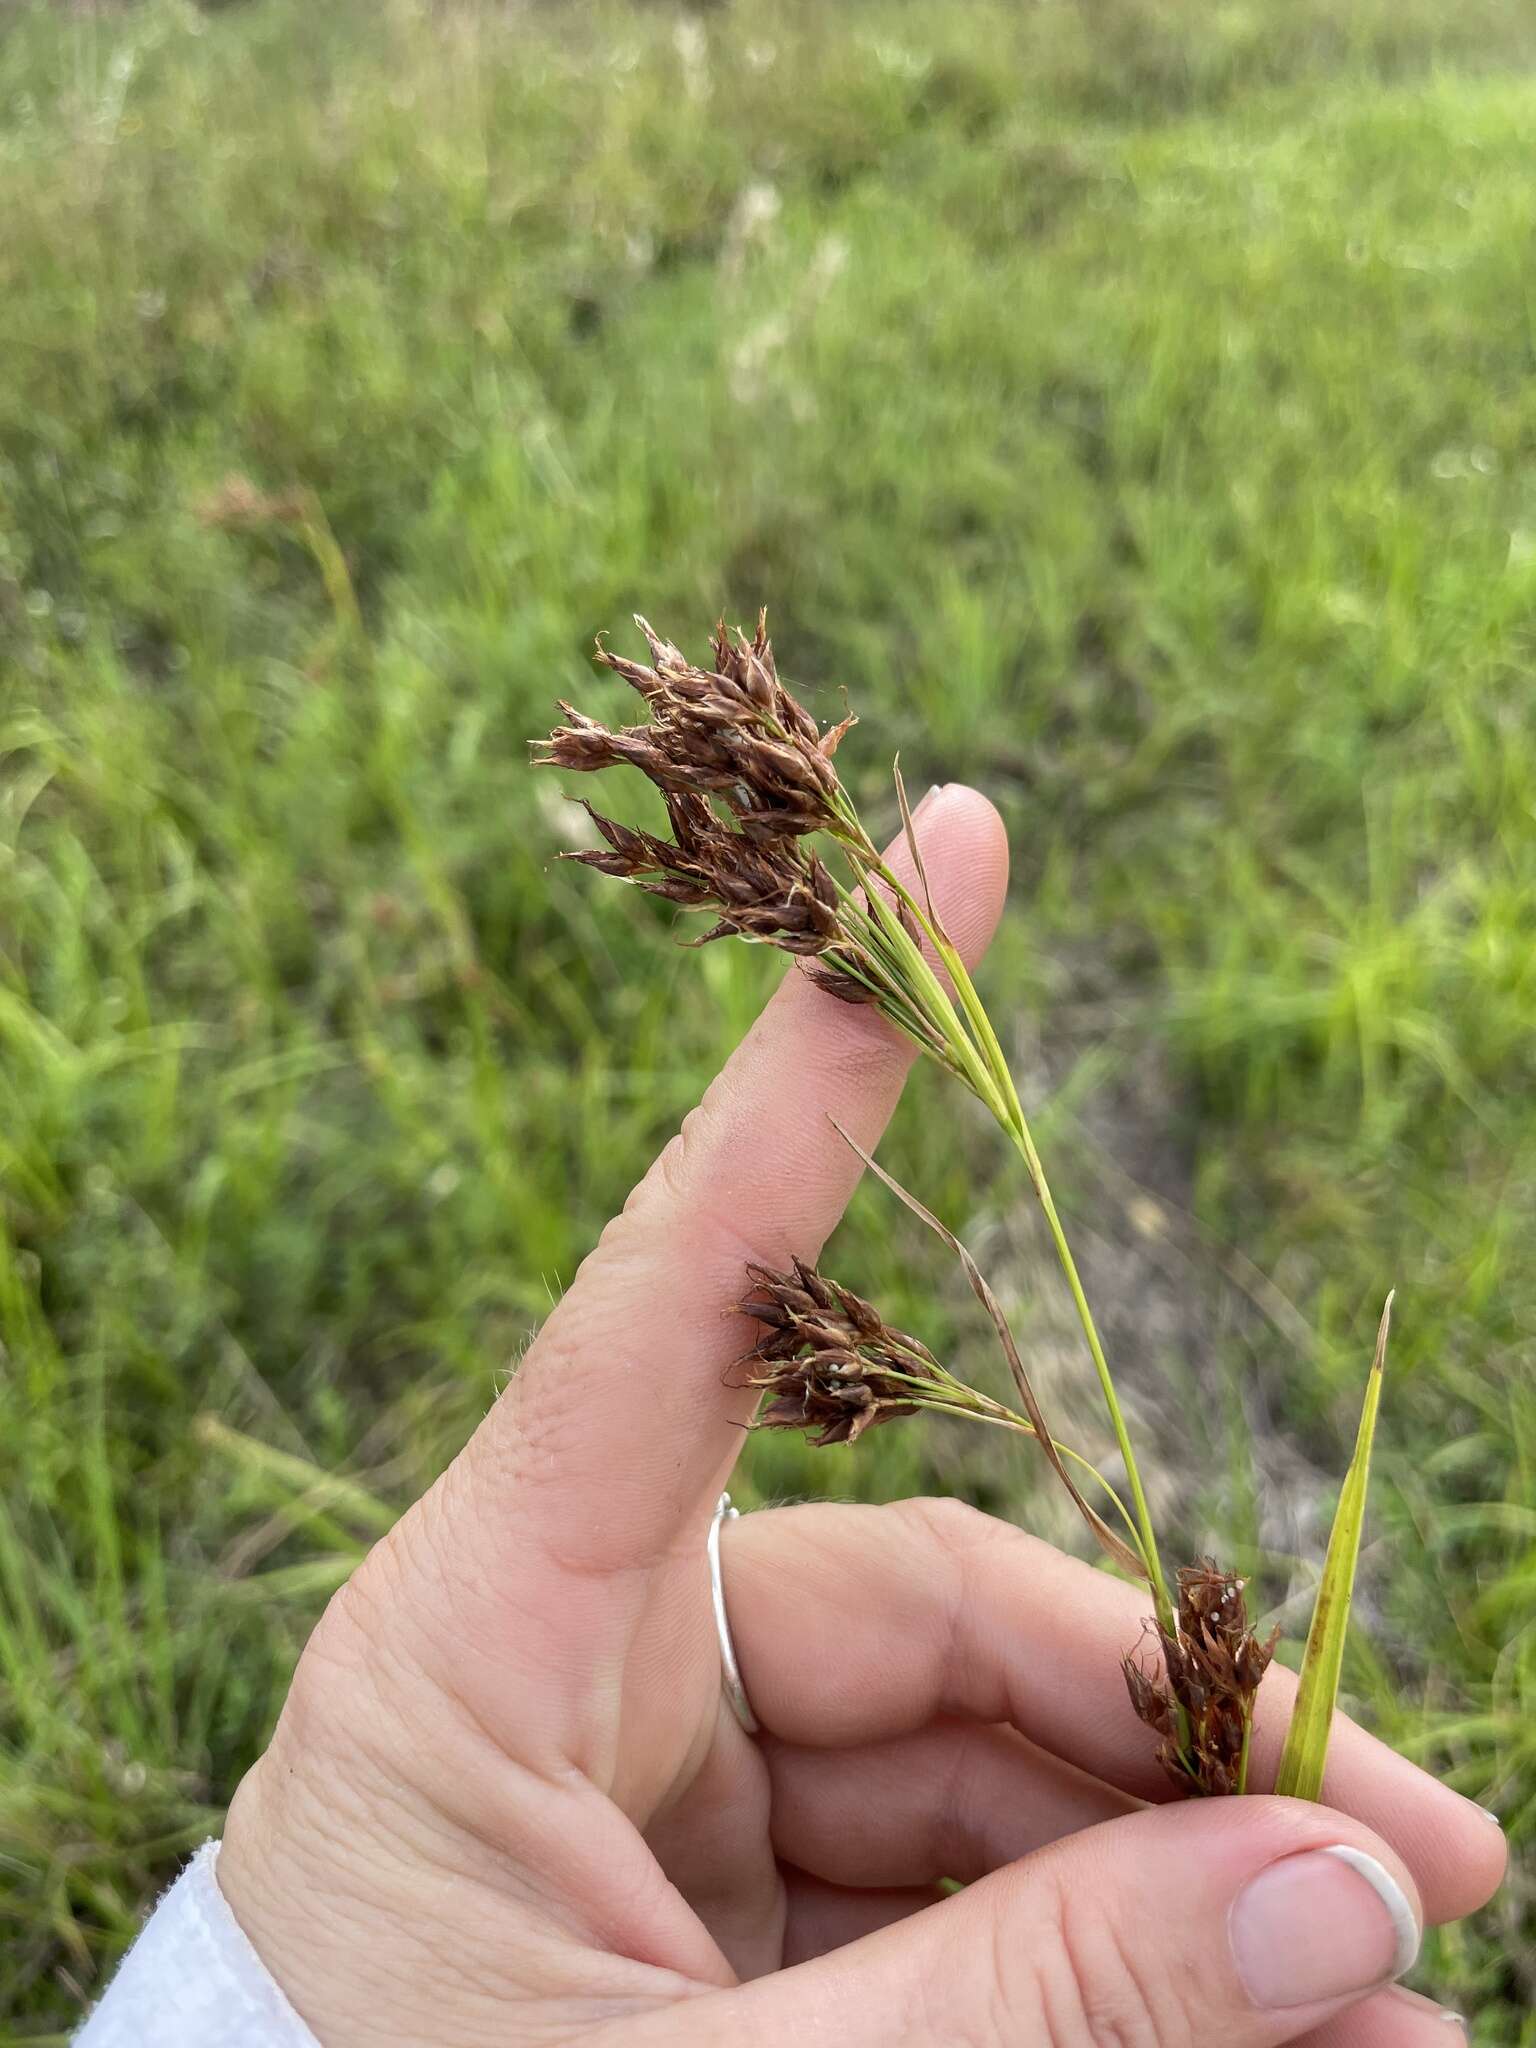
[964, 1544]
[693, 1176]
[671, 1171]
[961, 1531]
[953, 1524]
[981, 2017]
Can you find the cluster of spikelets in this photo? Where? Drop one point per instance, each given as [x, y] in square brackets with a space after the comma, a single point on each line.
[735, 738]
[1202, 1709]
[827, 1362]
[747, 779]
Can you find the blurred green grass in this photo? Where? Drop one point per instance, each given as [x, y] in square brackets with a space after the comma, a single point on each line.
[1130, 405]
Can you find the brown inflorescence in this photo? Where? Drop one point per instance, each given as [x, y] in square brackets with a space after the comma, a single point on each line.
[746, 775]
[1204, 1710]
[826, 1361]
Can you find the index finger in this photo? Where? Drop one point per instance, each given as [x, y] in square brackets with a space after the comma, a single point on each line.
[618, 1432]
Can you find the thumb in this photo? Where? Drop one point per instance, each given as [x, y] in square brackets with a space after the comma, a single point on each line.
[1225, 1924]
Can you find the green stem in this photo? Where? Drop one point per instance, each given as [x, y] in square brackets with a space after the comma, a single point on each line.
[914, 982]
[1242, 1761]
[1001, 1090]
[1019, 1131]
[1006, 1419]
[949, 1396]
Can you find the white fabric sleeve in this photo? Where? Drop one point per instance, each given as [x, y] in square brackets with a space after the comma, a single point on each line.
[192, 1980]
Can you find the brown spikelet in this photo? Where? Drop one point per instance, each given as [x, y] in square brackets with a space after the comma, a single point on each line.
[826, 1361]
[733, 731]
[745, 774]
[1202, 1704]
[836, 981]
[748, 780]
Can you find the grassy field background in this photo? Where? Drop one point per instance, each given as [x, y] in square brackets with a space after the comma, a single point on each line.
[1130, 403]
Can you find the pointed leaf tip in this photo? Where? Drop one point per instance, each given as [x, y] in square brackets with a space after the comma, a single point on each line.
[1305, 1756]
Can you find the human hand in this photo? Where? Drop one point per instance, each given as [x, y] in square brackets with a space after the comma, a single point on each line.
[506, 1802]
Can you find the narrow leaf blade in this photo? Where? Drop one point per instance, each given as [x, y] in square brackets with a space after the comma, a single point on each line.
[910, 832]
[1112, 1545]
[1306, 1742]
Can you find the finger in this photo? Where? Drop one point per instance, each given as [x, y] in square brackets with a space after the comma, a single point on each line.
[901, 1614]
[1398, 2018]
[821, 1917]
[1221, 1923]
[713, 1843]
[957, 1799]
[617, 1430]
[841, 1895]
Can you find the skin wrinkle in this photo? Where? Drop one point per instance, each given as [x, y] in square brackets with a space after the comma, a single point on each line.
[700, 1842]
[1122, 2005]
[586, 1737]
[948, 1847]
[499, 1826]
[392, 1814]
[335, 1809]
[859, 1816]
[544, 1849]
[852, 1053]
[718, 1131]
[957, 1539]
[546, 1628]
[719, 1244]
[1005, 2007]
[520, 1874]
[414, 1696]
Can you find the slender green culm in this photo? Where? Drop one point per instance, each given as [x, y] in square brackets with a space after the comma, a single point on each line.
[1000, 1094]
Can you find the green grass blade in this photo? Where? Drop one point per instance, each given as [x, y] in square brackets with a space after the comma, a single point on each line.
[1306, 1741]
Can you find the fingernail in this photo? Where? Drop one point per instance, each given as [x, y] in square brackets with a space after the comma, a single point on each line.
[929, 794]
[1320, 1925]
[1496, 1818]
[1413, 2006]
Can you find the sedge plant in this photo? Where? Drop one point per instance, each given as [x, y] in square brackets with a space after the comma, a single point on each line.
[765, 837]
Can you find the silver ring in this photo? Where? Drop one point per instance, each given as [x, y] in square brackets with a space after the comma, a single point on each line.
[730, 1670]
